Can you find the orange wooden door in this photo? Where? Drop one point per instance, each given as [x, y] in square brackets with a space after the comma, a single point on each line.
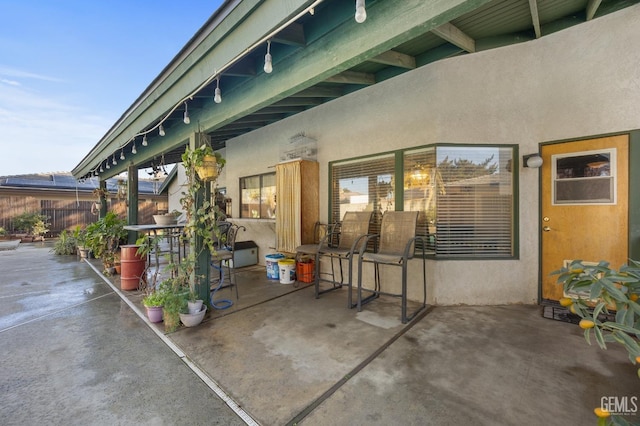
[584, 205]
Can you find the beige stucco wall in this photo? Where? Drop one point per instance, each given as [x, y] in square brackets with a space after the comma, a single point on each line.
[580, 82]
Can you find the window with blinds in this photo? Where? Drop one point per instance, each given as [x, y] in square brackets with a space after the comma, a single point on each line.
[474, 201]
[363, 185]
[258, 196]
[464, 195]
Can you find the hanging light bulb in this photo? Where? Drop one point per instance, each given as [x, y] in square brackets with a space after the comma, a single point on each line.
[161, 130]
[217, 97]
[122, 154]
[144, 141]
[268, 65]
[107, 164]
[361, 12]
[101, 169]
[134, 151]
[186, 118]
[113, 161]
[312, 11]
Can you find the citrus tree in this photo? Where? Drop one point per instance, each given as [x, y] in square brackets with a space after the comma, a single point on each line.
[599, 289]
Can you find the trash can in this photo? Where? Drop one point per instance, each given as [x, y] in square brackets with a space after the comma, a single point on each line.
[132, 267]
[287, 271]
[271, 261]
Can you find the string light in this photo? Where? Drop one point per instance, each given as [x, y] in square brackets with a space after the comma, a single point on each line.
[113, 161]
[101, 169]
[134, 151]
[161, 130]
[107, 164]
[186, 118]
[217, 97]
[122, 154]
[361, 12]
[144, 141]
[268, 65]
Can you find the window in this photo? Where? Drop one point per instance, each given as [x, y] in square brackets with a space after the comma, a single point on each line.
[258, 196]
[464, 195]
[363, 185]
[584, 177]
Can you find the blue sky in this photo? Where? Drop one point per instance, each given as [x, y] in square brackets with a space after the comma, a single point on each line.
[70, 68]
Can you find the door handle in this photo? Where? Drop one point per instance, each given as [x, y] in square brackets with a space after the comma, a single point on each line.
[546, 229]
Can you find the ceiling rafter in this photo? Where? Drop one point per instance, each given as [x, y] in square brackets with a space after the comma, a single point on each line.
[454, 35]
[535, 17]
[352, 77]
[592, 8]
[293, 35]
[319, 92]
[395, 59]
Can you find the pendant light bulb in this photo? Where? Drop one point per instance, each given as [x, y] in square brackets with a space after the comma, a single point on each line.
[217, 97]
[361, 11]
[113, 160]
[268, 61]
[144, 141]
[122, 154]
[134, 151]
[107, 165]
[161, 130]
[186, 118]
[101, 169]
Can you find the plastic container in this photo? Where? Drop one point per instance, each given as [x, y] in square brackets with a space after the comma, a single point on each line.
[287, 271]
[304, 270]
[132, 267]
[271, 261]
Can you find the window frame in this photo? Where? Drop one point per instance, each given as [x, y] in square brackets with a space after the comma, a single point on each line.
[261, 187]
[513, 169]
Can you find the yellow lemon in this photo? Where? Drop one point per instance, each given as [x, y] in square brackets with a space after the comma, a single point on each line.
[603, 414]
[577, 271]
[634, 297]
[638, 359]
[566, 301]
[572, 309]
[585, 323]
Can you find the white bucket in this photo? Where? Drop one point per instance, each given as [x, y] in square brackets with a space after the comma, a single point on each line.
[271, 261]
[287, 271]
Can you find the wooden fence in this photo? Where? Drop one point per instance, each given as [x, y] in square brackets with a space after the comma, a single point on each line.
[68, 213]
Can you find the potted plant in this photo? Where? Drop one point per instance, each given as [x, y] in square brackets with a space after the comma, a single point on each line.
[80, 237]
[207, 163]
[65, 244]
[201, 226]
[154, 304]
[103, 238]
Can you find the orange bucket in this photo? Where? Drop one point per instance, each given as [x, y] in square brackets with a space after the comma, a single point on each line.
[304, 271]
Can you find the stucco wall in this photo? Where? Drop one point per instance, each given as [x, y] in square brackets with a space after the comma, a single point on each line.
[580, 82]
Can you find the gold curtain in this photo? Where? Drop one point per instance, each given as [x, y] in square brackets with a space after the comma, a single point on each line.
[288, 225]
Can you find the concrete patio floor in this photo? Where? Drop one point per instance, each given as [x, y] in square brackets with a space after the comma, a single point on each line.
[283, 357]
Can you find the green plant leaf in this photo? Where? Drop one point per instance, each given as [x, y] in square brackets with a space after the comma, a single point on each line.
[599, 338]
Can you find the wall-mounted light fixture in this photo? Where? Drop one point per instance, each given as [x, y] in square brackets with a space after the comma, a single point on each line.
[533, 161]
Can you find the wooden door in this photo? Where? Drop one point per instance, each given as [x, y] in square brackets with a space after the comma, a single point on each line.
[584, 205]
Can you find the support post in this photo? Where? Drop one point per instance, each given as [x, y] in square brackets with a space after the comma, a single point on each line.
[132, 201]
[202, 270]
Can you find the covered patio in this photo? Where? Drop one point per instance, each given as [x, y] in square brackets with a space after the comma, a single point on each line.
[287, 358]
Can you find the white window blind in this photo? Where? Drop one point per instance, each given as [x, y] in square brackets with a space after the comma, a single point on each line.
[363, 185]
[474, 202]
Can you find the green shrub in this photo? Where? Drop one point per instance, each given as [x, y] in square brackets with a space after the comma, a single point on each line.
[65, 244]
[28, 222]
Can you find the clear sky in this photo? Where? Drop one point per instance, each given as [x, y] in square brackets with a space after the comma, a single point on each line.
[70, 68]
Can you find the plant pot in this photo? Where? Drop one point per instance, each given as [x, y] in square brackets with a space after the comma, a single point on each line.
[118, 268]
[83, 252]
[165, 220]
[191, 320]
[194, 306]
[209, 168]
[154, 313]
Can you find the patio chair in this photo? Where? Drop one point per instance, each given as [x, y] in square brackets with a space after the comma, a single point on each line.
[396, 246]
[309, 251]
[350, 233]
[225, 251]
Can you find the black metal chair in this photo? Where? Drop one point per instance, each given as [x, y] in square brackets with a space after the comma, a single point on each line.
[225, 251]
[350, 234]
[396, 246]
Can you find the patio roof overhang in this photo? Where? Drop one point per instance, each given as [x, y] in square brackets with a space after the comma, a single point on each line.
[317, 57]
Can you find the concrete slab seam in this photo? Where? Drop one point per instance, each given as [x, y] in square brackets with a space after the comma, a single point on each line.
[305, 412]
[196, 370]
[54, 312]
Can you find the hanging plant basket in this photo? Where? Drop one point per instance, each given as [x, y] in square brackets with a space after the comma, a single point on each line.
[208, 171]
